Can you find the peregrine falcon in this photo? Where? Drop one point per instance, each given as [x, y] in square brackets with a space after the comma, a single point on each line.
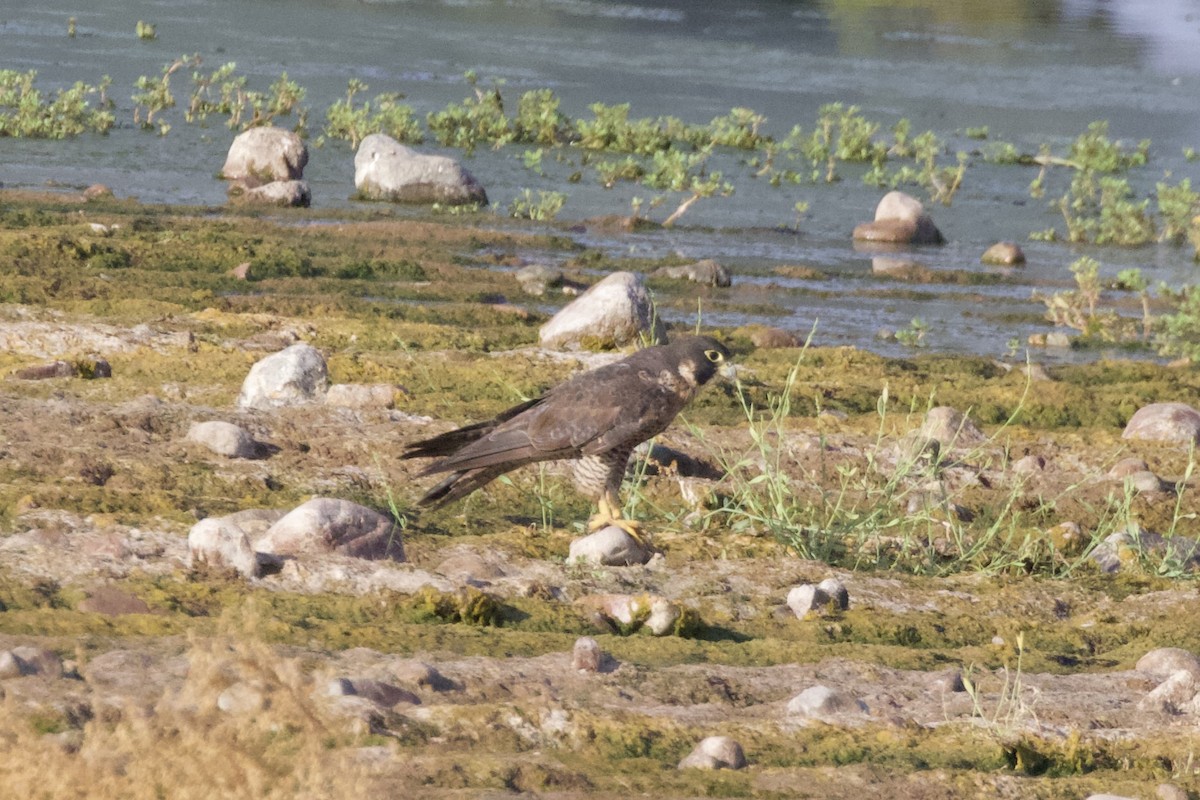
[596, 419]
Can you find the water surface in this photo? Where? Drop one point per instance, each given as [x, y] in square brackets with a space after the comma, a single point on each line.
[1033, 72]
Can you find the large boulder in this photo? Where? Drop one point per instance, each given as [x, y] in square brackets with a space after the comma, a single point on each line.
[1165, 422]
[265, 154]
[900, 218]
[610, 314]
[292, 376]
[330, 525]
[384, 169]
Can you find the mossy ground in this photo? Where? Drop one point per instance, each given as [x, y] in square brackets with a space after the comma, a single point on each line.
[429, 305]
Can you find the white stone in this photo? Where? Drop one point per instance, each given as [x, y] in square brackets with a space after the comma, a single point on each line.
[217, 542]
[819, 702]
[241, 698]
[715, 752]
[361, 395]
[610, 546]
[266, 154]
[1172, 696]
[329, 525]
[611, 313]
[1165, 422]
[586, 656]
[292, 376]
[384, 169]
[1163, 662]
[224, 439]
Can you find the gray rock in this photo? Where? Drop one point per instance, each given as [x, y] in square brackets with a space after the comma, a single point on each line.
[900, 218]
[27, 660]
[835, 590]
[1165, 422]
[292, 376]
[10, 666]
[242, 698]
[715, 752]
[1125, 547]
[769, 338]
[1029, 465]
[1168, 791]
[1172, 696]
[821, 702]
[362, 395]
[225, 439]
[653, 613]
[382, 694]
[806, 597]
[586, 656]
[950, 427]
[612, 313]
[289, 194]
[218, 543]
[1058, 339]
[254, 521]
[610, 546]
[328, 525]
[537, 279]
[1126, 467]
[705, 271]
[1007, 254]
[265, 154]
[47, 371]
[112, 602]
[1163, 662]
[384, 169]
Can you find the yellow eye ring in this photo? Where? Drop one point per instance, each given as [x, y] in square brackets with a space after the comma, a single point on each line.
[714, 356]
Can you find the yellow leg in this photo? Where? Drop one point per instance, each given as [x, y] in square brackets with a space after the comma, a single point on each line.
[608, 512]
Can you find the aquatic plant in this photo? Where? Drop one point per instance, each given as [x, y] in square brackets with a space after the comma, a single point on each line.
[154, 95]
[224, 92]
[543, 208]
[386, 114]
[24, 112]
[145, 31]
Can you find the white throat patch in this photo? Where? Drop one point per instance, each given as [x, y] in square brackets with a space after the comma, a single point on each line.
[687, 371]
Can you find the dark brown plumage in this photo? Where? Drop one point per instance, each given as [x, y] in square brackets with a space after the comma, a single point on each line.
[595, 418]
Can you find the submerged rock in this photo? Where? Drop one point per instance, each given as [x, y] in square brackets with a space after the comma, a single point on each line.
[900, 218]
[384, 169]
[705, 271]
[1007, 254]
[265, 154]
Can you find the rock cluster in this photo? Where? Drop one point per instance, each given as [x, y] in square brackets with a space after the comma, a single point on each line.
[265, 166]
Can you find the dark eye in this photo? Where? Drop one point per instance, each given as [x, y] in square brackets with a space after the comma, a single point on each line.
[714, 356]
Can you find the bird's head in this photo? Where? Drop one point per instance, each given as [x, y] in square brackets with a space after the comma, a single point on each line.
[701, 358]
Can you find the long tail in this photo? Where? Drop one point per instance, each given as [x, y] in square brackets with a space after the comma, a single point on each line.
[460, 484]
[451, 442]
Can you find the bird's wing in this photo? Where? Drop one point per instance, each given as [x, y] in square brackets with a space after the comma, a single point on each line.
[617, 408]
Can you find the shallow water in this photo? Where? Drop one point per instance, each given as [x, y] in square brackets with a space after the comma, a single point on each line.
[1033, 72]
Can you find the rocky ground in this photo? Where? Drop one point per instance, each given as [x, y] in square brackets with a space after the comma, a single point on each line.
[1017, 598]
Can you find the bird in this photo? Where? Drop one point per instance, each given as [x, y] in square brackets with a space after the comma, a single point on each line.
[595, 419]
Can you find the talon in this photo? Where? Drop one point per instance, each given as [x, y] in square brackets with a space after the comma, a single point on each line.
[608, 513]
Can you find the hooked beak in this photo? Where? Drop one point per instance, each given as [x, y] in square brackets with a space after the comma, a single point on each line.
[728, 371]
